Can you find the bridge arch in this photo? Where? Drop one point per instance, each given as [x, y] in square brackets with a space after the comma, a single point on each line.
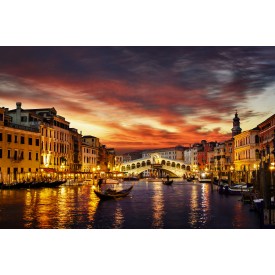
[155, 163]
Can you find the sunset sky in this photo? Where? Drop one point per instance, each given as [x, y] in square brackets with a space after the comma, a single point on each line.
[143, 97]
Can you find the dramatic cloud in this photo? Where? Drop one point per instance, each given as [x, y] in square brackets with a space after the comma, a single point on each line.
[142, 97]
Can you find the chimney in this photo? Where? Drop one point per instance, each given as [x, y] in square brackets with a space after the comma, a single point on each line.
[18, 113]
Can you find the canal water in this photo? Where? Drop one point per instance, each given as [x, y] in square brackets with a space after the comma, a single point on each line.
[183, 205]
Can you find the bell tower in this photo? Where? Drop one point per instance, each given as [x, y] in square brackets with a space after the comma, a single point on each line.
[236, 125]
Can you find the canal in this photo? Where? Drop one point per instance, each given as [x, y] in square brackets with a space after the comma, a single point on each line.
[183, 205]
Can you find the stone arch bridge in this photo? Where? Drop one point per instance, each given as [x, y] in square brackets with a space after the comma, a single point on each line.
[156, 164]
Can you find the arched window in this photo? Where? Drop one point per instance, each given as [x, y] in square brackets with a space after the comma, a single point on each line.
[163, 162]
[143, 164]
[148, 162]
[138, 165]
[173, 164]
[128, 167]
[133, 166]
[178, 166]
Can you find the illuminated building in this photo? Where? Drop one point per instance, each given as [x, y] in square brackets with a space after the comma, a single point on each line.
[169, 153]
[58, 147]
[246, 150]
[89, 157]
[19, 150]
[90, 152]
[266, 134]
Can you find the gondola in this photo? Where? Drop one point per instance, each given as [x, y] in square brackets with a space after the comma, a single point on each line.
[113, 194]
[169, 182]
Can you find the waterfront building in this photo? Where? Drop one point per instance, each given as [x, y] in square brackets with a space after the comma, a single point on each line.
[176, 153]
[267, 138]
[106, 159]
[118, 162]
[19, 150]
[58, 144]
[211, 160]
[89, 158]
[219, 159]
[246, 151]
[90, 149]
[77, 150]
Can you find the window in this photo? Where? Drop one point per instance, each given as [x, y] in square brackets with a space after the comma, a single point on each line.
[15, 139]
[30, 155]
[23, 119]
[30, 141]
[9, 153]
[0, 153]
[15, 154]
[37, 142]
[22, 170]
[36, 156]
[9, 137]
[1, 137]
[22, 140]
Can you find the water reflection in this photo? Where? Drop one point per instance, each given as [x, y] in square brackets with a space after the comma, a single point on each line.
[193, 205]
[154, 205]
[118, 218]
[157, 206]
[199, 205]
[64, 207]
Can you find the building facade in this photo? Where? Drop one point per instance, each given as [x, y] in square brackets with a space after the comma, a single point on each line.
[19, 151]
[246, 151]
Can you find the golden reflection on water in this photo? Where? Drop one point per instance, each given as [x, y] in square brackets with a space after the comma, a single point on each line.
[119, 218]
[199, 206]
[59, 208]
[158, 206]
[193, 205]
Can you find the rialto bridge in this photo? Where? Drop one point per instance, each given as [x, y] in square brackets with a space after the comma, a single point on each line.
[156, 165]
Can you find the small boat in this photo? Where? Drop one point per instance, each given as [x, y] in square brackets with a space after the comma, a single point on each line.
[113, 194]
[169, 182]
[239, 189]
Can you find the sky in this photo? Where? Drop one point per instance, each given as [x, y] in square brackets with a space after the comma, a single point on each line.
[136, 98]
